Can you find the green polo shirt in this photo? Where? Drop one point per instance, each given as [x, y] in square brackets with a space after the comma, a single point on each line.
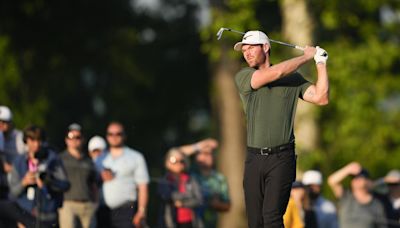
[270, 110]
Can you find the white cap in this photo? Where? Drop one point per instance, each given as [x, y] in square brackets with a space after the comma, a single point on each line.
[5, 114]
[312, 177]
[252, 37]
[392, 177]
[96, 142]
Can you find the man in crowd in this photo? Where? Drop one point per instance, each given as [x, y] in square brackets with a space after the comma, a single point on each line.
[125, 180]
[358, 208]
[80, 200]
[214, 185]
[13, 143]
[392, 181]
[324, 209]
[96, 148]
[38, 179]
[269, 93]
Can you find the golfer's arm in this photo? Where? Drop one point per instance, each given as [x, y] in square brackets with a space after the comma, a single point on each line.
[335, 181]
[319, 92]
[264, 76]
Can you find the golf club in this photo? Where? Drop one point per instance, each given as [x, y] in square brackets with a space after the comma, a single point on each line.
[221, 30]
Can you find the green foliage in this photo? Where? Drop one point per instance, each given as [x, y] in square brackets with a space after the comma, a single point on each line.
[362, 119]
[237, 15]
[14, 91]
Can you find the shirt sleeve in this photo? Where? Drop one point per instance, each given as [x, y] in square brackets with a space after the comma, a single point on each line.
[243, 80]
[141, 173]
[302, 84]
[224, 189]
[14, 180]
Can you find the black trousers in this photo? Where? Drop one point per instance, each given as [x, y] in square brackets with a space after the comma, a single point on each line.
[267, 184]
[11, 213]
[122, 216]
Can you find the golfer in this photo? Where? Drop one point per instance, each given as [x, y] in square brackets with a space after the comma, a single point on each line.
[269, 94]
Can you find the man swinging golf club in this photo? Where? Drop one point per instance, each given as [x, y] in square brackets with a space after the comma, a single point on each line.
[269, 94]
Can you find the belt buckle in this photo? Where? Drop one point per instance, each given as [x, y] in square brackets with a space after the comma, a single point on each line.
[267, 149]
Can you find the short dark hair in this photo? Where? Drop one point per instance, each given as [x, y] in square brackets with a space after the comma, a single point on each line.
[115, 122]
[34, 132]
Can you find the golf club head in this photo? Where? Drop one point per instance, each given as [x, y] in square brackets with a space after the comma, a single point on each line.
[219, 33]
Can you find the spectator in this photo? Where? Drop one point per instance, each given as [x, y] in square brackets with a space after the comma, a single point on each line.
[3, 173]
[358, 208]
[213, 184]
[38, 179]
[302, 201]
[1, 142]
[180, 194]
[324, 209]
[96, 148]
[13, 143]
[293, 217]
[125, 179]
[392, 180]
[80, 200]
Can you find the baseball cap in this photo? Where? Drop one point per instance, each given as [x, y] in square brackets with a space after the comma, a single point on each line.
[5, 114]
[392, 177]
[312, 177]
[96, 142]
[363, 173]
[74, 127]
[297, 184]
[252, 37]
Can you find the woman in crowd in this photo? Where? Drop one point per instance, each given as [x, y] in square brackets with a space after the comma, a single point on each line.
[179, 192]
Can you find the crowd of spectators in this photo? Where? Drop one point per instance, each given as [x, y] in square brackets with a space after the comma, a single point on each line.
[105, 185]
[365, 203]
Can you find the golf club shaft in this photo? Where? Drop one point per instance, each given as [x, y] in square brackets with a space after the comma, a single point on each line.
[221, 30]
[286, 44]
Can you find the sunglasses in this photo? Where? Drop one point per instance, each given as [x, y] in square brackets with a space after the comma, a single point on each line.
[73, 136]
[115, 133]
[174, 160]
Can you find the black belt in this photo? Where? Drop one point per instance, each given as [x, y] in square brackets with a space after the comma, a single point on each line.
[271, 150]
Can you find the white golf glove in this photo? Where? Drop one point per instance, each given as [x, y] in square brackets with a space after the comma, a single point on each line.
[320, 56]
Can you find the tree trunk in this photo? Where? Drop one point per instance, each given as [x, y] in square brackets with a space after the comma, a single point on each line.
[232, 150]
[298, 29]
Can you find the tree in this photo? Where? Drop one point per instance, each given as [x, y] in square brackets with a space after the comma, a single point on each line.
[361, 121]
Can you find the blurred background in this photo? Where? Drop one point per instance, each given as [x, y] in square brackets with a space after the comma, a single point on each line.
[156, 66]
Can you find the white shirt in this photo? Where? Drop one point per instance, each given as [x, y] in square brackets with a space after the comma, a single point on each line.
[129, 170]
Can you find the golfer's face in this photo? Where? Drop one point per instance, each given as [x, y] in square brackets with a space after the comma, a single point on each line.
[253, 54]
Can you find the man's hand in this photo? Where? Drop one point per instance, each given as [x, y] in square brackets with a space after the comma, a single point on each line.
[137, 219]
[29, 179]
[309, 52]
[7, 167]
[39, 182]
[206, 145]
[353, 168]
[178, 203]
[321, 56]
[107, 175]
